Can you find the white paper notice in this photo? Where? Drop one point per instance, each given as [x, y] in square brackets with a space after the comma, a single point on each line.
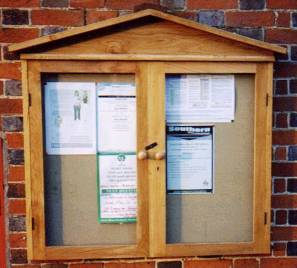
[189, 158]
[116, 106]
[117, 188]
[200, 98]
[70, 117]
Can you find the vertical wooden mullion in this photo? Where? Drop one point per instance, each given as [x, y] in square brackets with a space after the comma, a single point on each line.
[262, 153]
[142, 228]
[36, 220]
[156, 168]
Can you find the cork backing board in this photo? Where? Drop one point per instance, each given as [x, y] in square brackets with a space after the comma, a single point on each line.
[226, 215]
[71, 205]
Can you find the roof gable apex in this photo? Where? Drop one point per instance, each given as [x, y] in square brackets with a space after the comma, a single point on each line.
[31, 44]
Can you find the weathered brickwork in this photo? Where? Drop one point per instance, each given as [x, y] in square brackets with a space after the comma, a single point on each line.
[273, 21]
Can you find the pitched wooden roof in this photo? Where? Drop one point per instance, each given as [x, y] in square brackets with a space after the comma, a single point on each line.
[31, 44]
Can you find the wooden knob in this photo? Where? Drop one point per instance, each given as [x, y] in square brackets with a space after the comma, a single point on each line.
[142, 155]
[160, 155]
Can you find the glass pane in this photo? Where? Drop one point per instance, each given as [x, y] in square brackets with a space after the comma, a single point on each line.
[210, 122]
[90, 159]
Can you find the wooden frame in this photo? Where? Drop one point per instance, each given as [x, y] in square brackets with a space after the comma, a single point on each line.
[262, 156]
[37, 248]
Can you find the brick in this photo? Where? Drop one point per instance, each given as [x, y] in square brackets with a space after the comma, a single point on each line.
[292, 251]
[16, 190]
[293, 120]
[87, 3]
[11, 106]
[1, 88]
[279, 249]
[281, 217]
[293, 86]
[284, 201]
[17, 240]
[15, 140]
[292, 153]
[12, 123]
[284, 233]
[144, 6]
[292, 185]
[284, 169]
[16, 35]
[26, 266]
[7, 55]
[283, 19]
[251, 4]
[18, 256]
[15, 156]
[17, 224]
[10, 71]
[292, 217]
[284, 4]
[281, 120]
[55, 3]
[278, 262]
[281, 36]
[256, 33]
[294, 53]
[246, 263]
[13, 88]
[212, 18]
[17, 206]
[280, 153]
[15, 17]
[279, 185]
[16, 173]
[94, 15]
[249, 19]
[128, 4]
[58, 17]
[55, 265]
[187, 15]
[284, 137]
[51, 30]
[208, 264]
[214, 4]
[82, 265]
[285, 104]
[19, 3]
[281, 87]
[173, 4]
[129, 265]
[169, 264]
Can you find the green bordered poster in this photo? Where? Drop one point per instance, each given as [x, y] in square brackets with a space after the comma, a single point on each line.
[116, 157]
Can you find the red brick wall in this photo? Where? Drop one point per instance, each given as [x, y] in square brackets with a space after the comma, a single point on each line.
[273, 21]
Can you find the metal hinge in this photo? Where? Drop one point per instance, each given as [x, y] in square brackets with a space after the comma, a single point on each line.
[265, 218]
[33, 223]
[29, 100]
[267, 99]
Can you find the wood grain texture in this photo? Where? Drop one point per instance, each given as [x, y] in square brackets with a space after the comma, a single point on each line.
[147, 57]
[146, 13]
[163, 38]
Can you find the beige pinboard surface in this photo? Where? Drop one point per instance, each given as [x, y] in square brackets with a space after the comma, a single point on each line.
[71, 192]
[226, 215]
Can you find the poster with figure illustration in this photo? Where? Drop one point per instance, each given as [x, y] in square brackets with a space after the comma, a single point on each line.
[70, 118]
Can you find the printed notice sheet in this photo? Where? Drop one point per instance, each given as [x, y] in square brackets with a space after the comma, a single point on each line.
[116, 121]
[70, 117]
[117, 189]
[200, 98]
[116, 117]
[189, 158]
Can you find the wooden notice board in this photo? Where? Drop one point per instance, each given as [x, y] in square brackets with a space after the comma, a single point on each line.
[144, 48]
